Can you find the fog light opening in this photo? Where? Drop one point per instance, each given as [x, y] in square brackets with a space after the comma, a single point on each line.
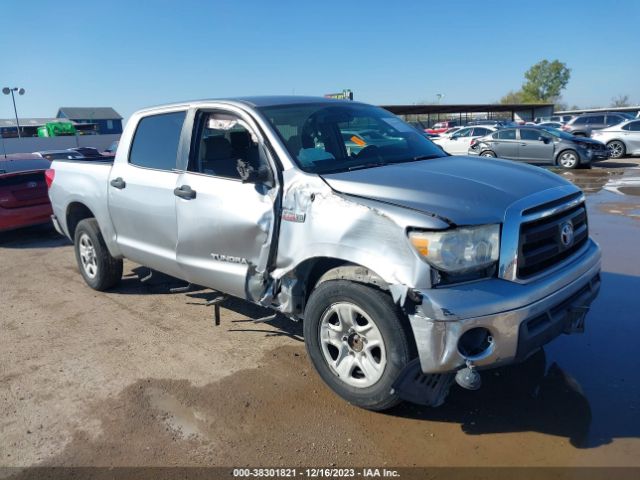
[476, 344]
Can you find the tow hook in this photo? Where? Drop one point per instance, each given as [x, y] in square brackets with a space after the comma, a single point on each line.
[469, 377]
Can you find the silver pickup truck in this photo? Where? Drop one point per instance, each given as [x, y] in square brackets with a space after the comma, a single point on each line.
[408, 267]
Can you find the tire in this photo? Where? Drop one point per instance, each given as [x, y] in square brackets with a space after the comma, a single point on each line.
[488, 153]
[617, 149]
[568, 159]
[336, 312]
[98, 268]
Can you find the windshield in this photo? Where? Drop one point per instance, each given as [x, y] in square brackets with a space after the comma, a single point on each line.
[557, 133]
[325, 137]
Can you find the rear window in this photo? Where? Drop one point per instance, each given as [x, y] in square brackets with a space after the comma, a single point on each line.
[614, 120]
[62, 156]
[32, 180]
[155, 144]
[481, 132]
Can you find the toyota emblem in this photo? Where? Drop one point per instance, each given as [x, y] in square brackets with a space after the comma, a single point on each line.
[566, 234]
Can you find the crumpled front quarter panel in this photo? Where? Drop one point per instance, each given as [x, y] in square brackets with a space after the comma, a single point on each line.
[318, 222]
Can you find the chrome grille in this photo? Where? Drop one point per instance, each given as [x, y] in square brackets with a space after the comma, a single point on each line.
[541, 241]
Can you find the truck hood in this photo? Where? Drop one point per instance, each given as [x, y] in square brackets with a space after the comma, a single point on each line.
[462, 190]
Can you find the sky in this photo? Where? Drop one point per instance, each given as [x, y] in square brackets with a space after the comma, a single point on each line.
[136, 53]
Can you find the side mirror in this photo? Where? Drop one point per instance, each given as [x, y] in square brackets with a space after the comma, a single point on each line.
[543, 139]
[259, 174]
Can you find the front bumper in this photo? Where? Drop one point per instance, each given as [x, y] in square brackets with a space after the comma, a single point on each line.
[520, 317]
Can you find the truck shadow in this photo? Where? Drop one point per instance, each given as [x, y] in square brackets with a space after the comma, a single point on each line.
[160, 283]
[516, 398]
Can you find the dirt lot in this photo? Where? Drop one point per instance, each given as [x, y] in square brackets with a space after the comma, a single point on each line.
[140, 376]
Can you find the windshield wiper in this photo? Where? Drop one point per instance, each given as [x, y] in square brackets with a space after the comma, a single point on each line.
[367, 165]
[426, 157]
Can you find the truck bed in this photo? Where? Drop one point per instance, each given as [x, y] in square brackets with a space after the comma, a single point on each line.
[82, 182]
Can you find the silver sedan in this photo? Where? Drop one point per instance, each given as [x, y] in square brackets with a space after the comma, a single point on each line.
[622, 139]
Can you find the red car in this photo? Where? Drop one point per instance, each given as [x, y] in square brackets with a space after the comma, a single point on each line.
[441, 127]
[24, 199]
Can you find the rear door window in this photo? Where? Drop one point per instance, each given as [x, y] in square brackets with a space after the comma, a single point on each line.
[155, 143]
[506, 134]
[595, 120]
[632, 126]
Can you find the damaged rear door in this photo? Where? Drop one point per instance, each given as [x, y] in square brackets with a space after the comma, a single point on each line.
[225, 225]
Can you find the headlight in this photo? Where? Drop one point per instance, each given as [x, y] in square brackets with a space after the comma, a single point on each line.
[459, 250]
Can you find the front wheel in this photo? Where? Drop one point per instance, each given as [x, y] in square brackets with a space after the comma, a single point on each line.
[568, 159]
[358, 341]
[616, 149]
[98, 268]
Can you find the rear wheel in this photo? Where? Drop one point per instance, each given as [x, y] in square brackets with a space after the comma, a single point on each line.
[488, 153]
[98, 268]
[568, 159]
[358, 341]
[616, 149]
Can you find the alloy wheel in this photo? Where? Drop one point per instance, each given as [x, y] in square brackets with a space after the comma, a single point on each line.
[352, 345]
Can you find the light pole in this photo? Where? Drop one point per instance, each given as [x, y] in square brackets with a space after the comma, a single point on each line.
[439, 96]
[7, 91]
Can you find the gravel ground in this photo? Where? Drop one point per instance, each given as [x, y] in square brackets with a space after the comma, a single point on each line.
[140, 376]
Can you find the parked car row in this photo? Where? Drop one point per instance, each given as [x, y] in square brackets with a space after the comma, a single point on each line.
[583, 125]
[541, 145]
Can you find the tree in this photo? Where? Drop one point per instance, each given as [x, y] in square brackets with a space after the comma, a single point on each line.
[512, 97]
[620, 101]
[543, 83]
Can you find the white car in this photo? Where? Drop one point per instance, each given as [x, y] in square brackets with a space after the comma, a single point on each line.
[460, 141]
[621, 139]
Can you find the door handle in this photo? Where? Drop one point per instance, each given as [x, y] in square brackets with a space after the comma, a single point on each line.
[118, 183]
[185, 192]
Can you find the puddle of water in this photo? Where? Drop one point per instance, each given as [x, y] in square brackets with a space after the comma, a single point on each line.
[180, 418]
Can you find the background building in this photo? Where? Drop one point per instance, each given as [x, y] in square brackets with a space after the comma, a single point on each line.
[106, 119]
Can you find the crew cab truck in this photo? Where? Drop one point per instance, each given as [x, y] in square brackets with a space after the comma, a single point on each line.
[408, 267]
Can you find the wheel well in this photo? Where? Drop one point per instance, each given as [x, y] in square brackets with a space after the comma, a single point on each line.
[321, 269]
[76, 212]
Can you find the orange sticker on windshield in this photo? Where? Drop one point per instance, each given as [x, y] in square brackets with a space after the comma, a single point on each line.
[358, 141]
